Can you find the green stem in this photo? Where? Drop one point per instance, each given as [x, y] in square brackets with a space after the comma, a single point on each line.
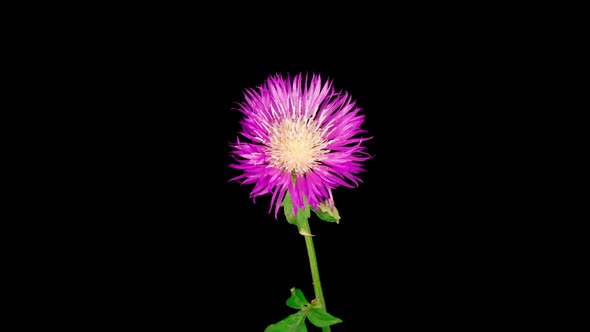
[315, 272]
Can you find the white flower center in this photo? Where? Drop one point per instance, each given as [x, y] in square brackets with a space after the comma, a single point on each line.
[296, 145]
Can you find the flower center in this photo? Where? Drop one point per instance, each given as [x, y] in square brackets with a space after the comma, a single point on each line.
[296, 145]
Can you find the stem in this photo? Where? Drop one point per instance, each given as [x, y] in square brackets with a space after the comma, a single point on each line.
[315, 272]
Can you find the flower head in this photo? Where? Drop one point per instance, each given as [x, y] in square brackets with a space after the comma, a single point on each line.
[301, 136]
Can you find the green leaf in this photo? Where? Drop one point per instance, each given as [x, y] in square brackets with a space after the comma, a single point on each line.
[296, 322]
[301, 217]
[297, 299]
[324, 212]
[287, 205]
[293, 323]
[321, 318]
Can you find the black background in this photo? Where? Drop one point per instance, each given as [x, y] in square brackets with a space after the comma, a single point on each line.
[414, 240]
[163, 239]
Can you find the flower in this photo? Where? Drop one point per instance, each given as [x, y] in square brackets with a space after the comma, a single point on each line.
[301, 136]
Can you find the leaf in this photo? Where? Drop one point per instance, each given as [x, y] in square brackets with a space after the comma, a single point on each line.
[301, 217]
[297, 299]
[321, 318]
[287, 205]
[293, 323]
[296, 322]
[326, 213]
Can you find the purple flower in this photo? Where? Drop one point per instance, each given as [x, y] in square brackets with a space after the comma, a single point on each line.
[300, 136]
